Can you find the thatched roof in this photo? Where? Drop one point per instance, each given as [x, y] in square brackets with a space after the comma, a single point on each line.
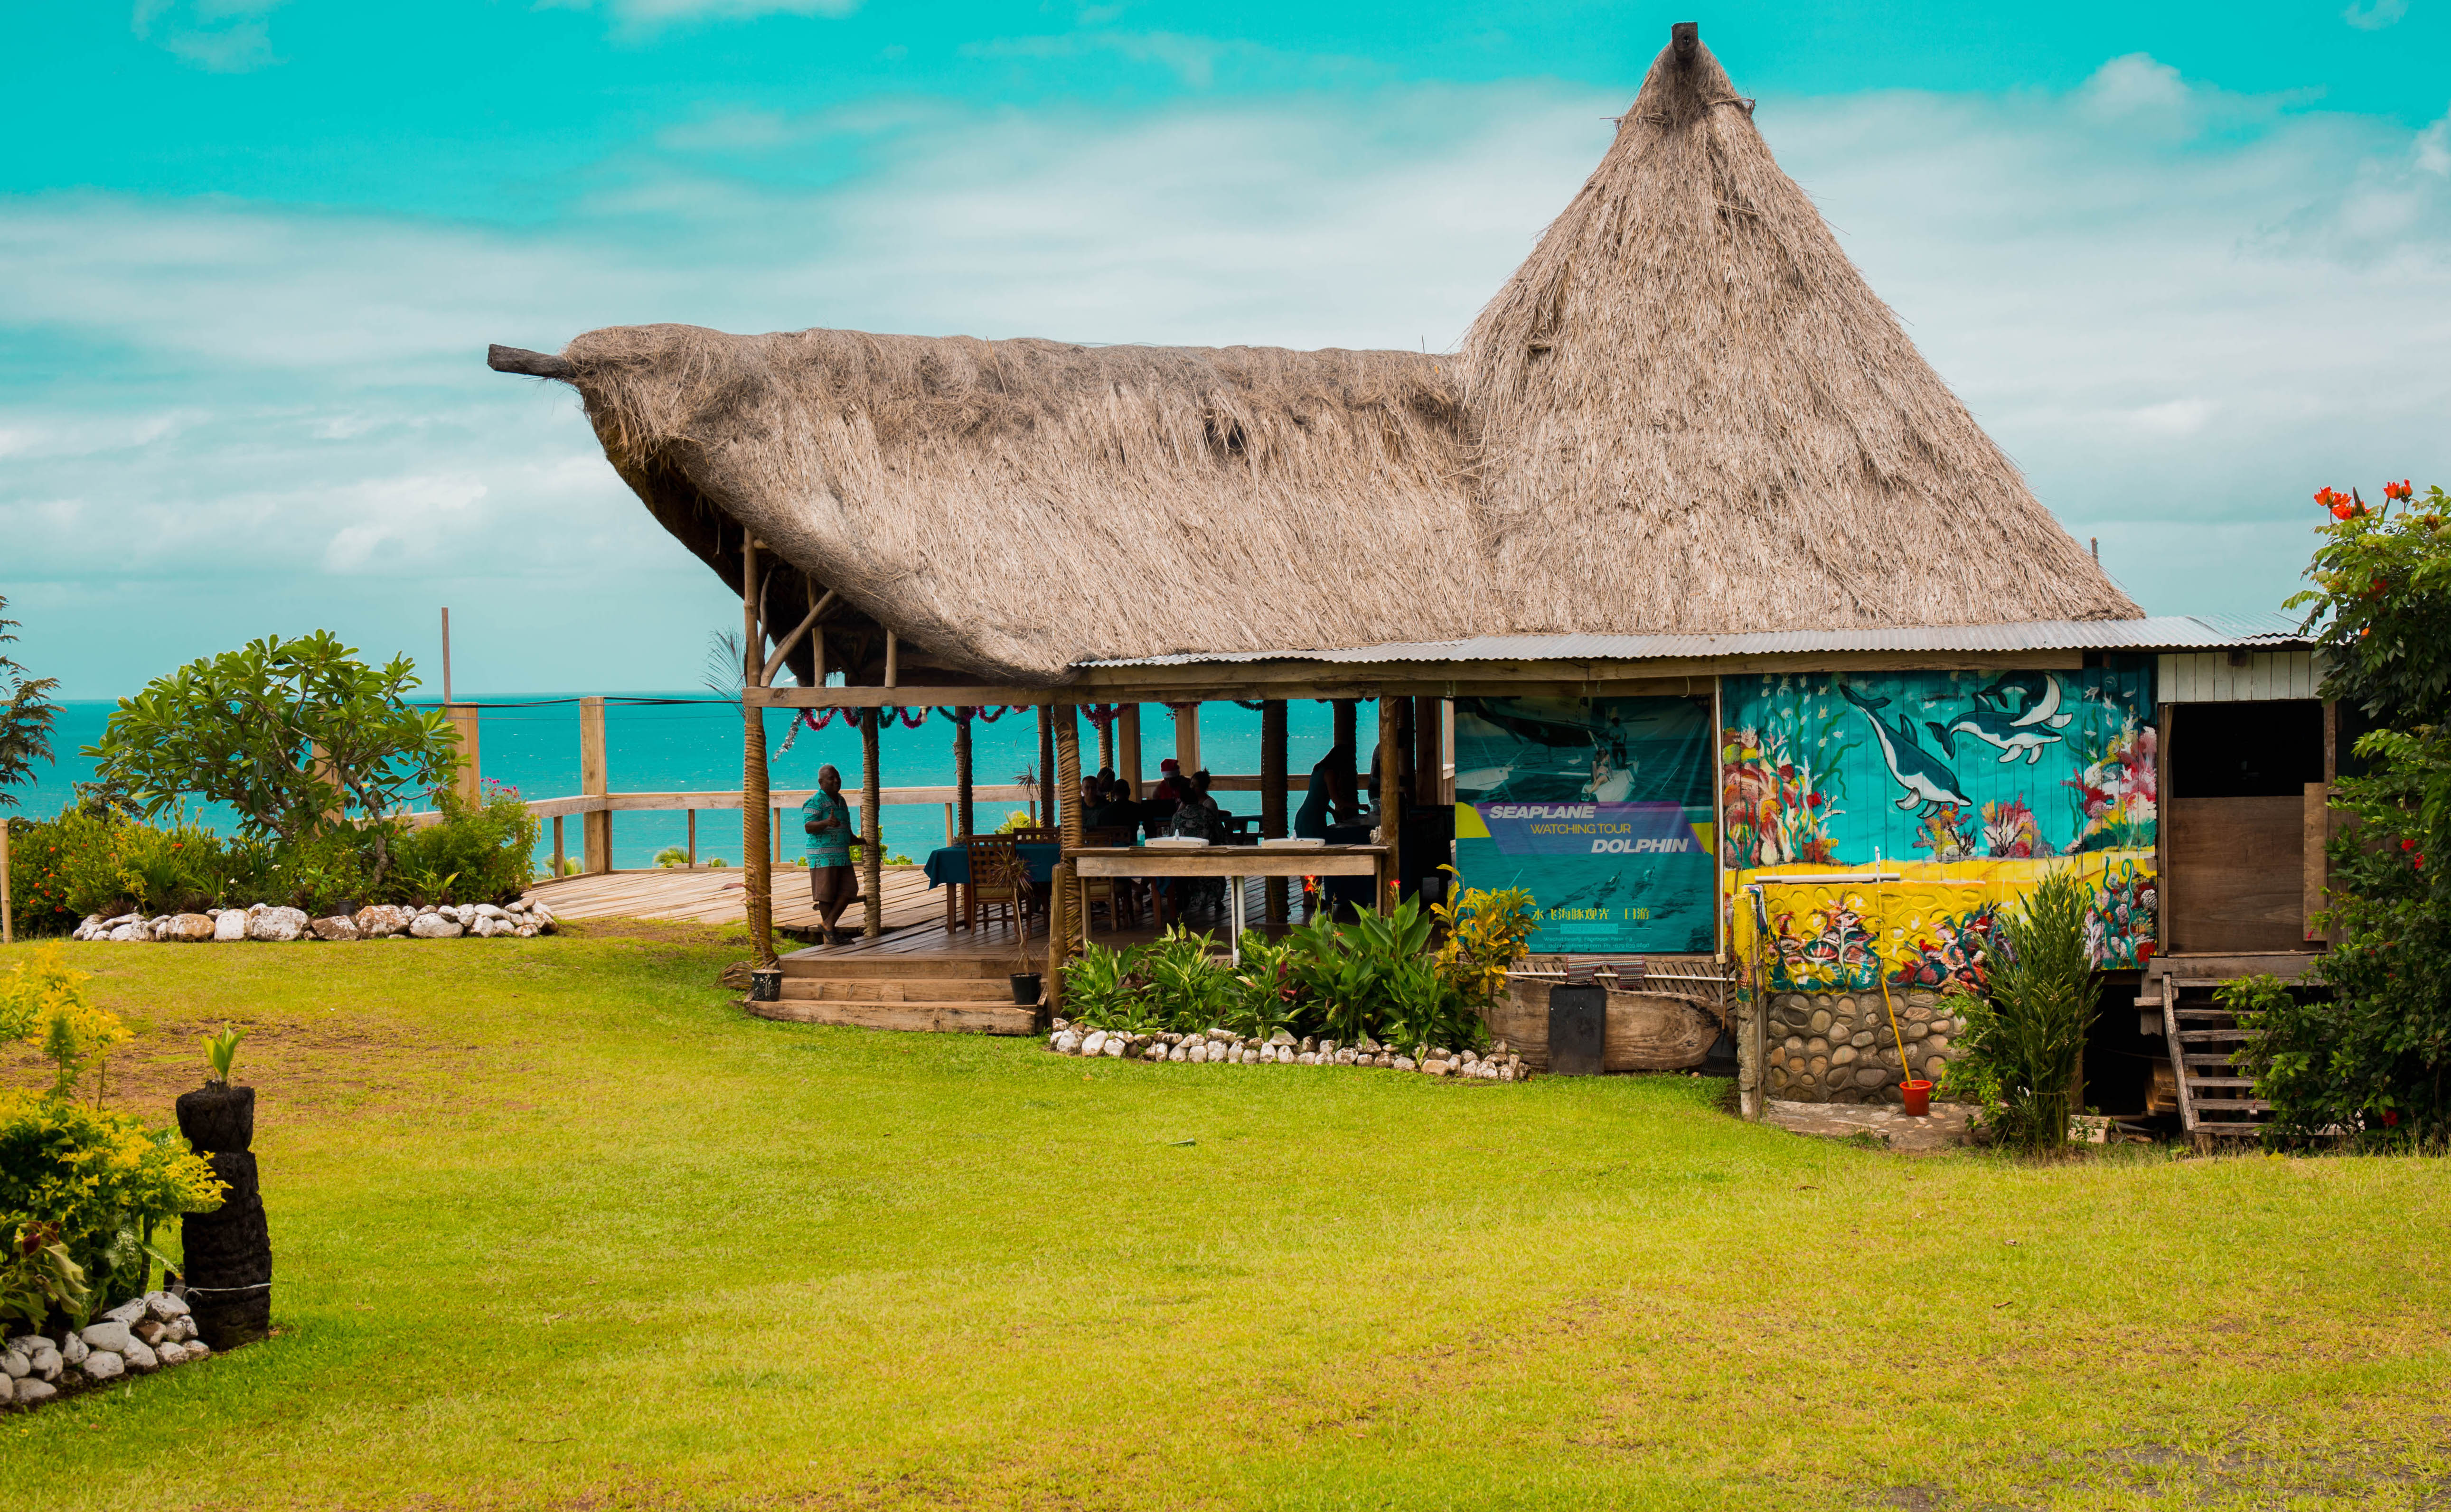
[1685, 412]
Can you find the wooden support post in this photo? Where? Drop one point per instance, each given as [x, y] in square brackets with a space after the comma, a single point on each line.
[557, 845]
[777, 825]
[1347, 720]
[1068, 809]
[965, 810]
[872, 854]
[8, 912]
[1186, 738]
[1107, 744]
[467, 779]
[949, 824]
[693, 839]
[1272, 795]
[1426, 728]
[1130, 770]
[757, 868]
[2162, 911]
[2313, 864]
[594, 781]
[1391, 798]
[1044, 811]
[1059, 933]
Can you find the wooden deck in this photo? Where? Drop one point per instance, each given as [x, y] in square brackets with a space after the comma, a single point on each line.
[914, 913]
[712, 895]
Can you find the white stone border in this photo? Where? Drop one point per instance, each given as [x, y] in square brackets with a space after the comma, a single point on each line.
[275, 925]
[1219, 1046]
[150, 1334]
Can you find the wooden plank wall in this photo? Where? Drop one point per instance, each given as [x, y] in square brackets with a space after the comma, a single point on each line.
[2207, 678]
[2242, 864]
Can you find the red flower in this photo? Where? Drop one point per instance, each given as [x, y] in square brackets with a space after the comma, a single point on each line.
[2409, 844]
[1812, 800]
[2401, 490]
[1786, 770]
[2391, 1118]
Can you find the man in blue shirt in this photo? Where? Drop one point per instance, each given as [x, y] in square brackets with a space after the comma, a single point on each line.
[833, 887]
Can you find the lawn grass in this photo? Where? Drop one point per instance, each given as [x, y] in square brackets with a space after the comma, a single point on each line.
[558, 1226]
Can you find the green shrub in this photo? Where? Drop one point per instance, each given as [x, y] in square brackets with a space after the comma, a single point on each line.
[2022, 1046]
[103, 860]
[476, 853]
[38, 888]
[2370, 1053]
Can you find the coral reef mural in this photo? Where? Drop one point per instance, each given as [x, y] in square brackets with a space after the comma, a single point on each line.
[1958, 790]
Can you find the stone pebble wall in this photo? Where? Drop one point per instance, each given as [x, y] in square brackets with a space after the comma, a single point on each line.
[1832, 1047]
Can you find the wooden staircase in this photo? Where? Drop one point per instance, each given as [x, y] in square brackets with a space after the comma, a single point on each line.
[2216, 1095]
[869, 989]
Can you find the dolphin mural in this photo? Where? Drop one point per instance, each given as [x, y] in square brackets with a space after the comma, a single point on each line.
[2038, 698]
[2023, 733]
[1928, 782]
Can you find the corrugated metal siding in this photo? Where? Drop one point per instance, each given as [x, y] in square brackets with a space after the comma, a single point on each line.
[2207, 678]
[2152, 633]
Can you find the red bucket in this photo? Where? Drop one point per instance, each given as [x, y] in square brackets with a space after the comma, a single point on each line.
[1918, 1096]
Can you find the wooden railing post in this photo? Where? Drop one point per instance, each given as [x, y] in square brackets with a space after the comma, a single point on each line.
[594, 830]
[467, 780]
[1130, 742]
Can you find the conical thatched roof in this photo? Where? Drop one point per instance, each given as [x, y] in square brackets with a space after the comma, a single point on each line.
[1685, 412]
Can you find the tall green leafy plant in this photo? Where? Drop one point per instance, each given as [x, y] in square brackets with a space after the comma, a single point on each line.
[2024, 1045]
[26, 715]
[296, 735]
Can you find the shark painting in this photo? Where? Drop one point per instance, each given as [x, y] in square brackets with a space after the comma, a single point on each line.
[1928, 782]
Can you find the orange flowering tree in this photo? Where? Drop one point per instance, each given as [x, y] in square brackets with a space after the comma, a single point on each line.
[2374, 1058]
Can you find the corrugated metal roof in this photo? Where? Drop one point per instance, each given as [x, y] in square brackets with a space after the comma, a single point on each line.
[2156, 632]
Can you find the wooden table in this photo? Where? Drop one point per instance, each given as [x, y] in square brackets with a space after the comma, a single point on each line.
[1234, 862]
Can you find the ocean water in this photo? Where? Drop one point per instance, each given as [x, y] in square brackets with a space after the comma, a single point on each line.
[530, 742]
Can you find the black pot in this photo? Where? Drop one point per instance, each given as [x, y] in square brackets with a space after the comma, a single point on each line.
[766, 984]
[1025, 988]
[218, 1119]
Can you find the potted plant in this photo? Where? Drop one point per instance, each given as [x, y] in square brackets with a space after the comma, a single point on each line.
[229, 1250]
[218, 1117]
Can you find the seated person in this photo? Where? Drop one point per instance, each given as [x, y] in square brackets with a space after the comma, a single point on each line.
[1327, 789]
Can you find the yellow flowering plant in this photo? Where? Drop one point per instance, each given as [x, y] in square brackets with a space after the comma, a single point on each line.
[93, 1184]
[1487, 933]
[41, 998]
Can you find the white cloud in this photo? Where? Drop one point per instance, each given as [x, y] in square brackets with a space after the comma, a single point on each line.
[221, 36]
[2373, 15]
[2434, 148]
[651, 14]
[2179, 332]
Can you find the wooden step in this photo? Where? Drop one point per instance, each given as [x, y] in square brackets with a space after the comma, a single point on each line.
[2193, 1083]
[897, 989]
[2227, 1058]
[873, 965]
[2202, 1013]
[938, 1017]
[2236, 1104]
[2200, 1036]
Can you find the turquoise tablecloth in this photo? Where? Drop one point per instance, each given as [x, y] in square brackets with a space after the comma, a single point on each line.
[949, 865]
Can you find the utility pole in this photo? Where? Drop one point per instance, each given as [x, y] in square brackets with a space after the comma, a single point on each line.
[446, 656]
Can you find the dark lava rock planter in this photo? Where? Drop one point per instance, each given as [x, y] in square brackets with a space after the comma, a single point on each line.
[229, 1250]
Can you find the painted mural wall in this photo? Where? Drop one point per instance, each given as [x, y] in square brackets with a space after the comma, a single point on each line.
[1600, 809]
[1964, 786]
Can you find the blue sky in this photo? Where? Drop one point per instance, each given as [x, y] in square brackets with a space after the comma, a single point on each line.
[2185, 263]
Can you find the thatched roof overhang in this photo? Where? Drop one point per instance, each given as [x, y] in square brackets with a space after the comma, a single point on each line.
[1685, 422]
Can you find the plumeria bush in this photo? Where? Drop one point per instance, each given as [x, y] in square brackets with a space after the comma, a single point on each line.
[2367, 1051]
[81, 1187]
